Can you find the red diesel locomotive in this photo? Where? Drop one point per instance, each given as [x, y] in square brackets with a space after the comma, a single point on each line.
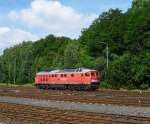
[73, 79]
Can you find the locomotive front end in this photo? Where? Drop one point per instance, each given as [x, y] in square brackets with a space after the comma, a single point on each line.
[95, 80]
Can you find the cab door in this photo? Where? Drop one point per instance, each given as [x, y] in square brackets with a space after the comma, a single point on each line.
[82, 78]
[87, 78]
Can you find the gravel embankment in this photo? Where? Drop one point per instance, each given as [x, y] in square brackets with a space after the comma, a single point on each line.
[99, 108]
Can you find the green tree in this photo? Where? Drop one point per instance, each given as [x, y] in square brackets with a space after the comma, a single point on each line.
[71, 54]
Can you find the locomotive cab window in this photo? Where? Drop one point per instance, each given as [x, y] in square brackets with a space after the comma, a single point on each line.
[96, 73]
[86, 74]
[92, 74]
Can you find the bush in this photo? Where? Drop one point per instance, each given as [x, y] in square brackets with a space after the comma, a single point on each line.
[105, 84]
[144, 87]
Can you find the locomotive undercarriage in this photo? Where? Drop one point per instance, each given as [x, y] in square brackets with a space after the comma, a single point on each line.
[80, 87]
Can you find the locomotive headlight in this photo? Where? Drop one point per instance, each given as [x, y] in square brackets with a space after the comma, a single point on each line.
[95, 80]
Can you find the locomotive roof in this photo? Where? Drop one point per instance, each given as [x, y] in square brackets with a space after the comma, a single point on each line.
[66, 71]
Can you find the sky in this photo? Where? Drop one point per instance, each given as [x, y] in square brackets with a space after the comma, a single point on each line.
[30, 20]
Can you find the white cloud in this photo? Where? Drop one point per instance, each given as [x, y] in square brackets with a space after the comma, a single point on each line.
[53, 17]
[12, 36]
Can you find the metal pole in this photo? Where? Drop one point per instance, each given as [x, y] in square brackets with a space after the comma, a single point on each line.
[107, 52]
[14, 71]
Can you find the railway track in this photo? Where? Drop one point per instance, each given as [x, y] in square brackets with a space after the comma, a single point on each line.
[128, 98]
[43, 115]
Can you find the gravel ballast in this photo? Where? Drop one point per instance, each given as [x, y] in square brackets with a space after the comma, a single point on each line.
[99, 108]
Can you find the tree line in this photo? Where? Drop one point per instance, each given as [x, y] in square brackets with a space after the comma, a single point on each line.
[126, 34]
